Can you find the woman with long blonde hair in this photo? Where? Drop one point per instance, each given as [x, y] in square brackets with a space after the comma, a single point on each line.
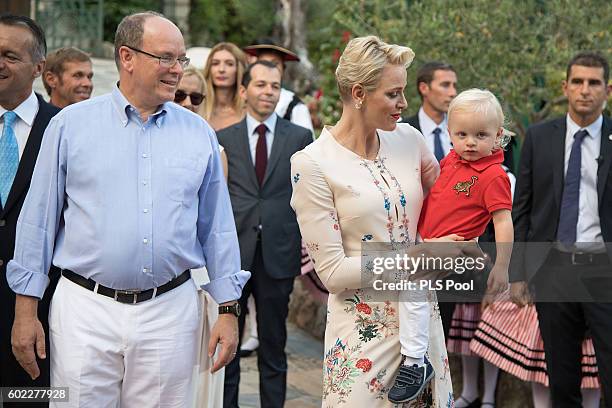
[223, 72]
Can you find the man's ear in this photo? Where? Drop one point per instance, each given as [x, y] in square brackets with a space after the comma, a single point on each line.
[50, 79]
[423, 88]
[564, 87]
[126, 59]
[242, 91]
[39, 68]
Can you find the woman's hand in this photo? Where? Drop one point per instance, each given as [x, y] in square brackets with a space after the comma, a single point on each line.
[450, 246]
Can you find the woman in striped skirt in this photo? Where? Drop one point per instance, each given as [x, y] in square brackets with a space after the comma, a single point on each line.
[509, 337]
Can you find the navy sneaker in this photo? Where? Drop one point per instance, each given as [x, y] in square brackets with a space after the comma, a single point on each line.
[410, 382]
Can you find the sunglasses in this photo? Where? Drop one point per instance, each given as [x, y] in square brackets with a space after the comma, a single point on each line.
[196, 97]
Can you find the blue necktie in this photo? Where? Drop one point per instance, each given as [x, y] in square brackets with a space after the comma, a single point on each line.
[9, 156]
[438, 150]
[568, 218]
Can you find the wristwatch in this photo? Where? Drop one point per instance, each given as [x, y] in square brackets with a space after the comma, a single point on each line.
[233, 309]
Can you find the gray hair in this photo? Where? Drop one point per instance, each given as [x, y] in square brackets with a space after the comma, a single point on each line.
[38, 46]
[131, 30]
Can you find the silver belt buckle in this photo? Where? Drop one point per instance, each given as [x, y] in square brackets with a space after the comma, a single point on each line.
[590, 258]
[134, 293]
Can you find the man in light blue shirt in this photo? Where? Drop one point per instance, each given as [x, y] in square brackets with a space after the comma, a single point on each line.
[128, 194]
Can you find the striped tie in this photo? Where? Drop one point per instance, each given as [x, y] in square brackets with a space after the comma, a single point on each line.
[9, 156]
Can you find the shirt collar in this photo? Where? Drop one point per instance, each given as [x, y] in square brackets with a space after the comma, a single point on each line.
[123, 106]
[594, 128]
[252, 123]
[428, 125]
[26, 110]
[497, 157]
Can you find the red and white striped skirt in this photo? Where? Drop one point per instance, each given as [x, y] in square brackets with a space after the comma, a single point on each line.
[509, 338]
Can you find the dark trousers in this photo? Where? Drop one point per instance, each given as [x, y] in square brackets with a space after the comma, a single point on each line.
[272, 304]
[11, 373]
[564, 325]
[446, 314]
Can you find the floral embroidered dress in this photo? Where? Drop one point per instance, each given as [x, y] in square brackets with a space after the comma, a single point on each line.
[342, 200]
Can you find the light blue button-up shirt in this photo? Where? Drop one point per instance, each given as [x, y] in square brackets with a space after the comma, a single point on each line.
[128, 204]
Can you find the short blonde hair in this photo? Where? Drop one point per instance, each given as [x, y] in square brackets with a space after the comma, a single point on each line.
[482, 101]
[363, 61]
[193, 71]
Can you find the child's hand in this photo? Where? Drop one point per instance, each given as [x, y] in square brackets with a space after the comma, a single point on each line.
[498, 281]
[519, 294]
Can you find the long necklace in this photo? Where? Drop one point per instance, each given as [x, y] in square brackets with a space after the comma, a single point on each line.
[403, 224]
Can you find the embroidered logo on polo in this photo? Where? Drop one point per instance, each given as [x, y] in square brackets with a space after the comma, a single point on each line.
[465, 186]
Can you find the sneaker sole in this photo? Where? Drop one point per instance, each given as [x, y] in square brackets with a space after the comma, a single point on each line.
[427, 380]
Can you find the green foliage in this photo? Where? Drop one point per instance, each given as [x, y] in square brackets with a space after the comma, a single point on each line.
[115, 10]
[517, 49]
[237, 21]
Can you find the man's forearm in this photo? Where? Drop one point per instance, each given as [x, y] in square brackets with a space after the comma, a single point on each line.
[26, 306]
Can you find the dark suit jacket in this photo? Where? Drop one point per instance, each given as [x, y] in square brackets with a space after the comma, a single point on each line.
[539, 186]
[413, 121]
[267, 206]
[8, 224]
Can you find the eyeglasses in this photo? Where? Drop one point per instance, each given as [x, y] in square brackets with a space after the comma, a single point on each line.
[196, 97]
[166, 62]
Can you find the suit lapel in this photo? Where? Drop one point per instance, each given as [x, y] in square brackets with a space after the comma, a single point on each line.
[606, 155]
[245, 151]
[277, 147]
[30, 153]
[557, 151]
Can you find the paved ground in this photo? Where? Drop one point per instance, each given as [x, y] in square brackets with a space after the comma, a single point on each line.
[304, 378]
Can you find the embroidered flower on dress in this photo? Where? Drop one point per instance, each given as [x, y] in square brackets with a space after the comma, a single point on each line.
[364, 364]
[296, 178]
[363, 308]
[367, 237]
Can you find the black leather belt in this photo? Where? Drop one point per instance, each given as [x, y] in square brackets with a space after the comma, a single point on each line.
[126, 296]
[579, 258]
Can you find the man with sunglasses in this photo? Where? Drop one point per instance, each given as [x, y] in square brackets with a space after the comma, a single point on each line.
[127, 197]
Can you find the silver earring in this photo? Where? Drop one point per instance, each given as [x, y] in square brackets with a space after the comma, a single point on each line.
[358, 105]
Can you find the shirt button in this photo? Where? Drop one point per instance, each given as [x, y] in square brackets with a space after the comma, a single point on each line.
[145, 241]
[146, 210]
[144, 155]
[145, 270]
[144, 182]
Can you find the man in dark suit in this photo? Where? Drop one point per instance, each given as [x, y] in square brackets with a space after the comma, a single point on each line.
[563, 229]
[25, 116]
[436, 84]
[258, 151]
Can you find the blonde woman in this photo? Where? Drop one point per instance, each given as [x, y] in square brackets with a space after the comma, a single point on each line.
[190, 94]
[208, 388]
[365, 179]
[223, 73]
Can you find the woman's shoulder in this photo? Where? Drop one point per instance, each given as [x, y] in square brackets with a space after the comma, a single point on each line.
[404, 136]
[316, 151]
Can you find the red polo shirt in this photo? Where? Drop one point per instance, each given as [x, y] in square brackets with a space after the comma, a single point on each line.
[464, 196]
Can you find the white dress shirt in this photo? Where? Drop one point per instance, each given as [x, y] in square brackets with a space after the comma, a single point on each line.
[588, 229]
[26, 112]
[252, 124]
[427, 127]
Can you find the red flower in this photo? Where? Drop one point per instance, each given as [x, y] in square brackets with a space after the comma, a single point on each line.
[364, 365]
[346, 36]
[373, 381]
[336, 55]
[363, 308]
